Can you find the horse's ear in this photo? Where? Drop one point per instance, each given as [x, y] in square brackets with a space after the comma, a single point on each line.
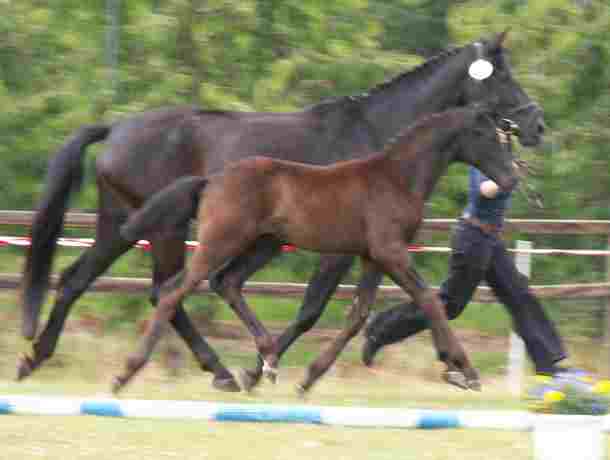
[501, 38]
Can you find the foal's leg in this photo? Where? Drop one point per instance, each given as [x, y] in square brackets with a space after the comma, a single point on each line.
[168, 255]
[394, 258]
[205, 260]
[173, 293]
[321, 287]
[367, 288]
[265, 345]
[77, 278]
[228, 283]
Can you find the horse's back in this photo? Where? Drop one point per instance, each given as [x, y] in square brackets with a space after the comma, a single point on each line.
[149, 150]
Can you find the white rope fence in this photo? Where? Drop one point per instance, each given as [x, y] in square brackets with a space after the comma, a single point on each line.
[24, 241]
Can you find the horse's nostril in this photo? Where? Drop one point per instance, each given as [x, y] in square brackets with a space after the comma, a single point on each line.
[541, 127]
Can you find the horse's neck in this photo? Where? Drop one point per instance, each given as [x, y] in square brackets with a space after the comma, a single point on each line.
[397, 104]
[423, 166]
[429, 172]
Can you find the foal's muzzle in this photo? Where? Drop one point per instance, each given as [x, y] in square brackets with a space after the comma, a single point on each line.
[529, 123]
[508, 126]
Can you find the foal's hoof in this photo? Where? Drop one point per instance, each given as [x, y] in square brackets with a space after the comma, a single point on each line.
[301, 391]
[270, 372]
[459, 380]
[116, 385]
[249, 379]
[474, 385]
[456, 378]
[25, 366]
[227, 384]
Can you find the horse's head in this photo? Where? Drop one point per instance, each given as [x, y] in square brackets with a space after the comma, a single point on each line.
[499, 89]
[487, 146]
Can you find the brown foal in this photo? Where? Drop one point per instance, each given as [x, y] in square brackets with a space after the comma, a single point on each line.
[369, 207]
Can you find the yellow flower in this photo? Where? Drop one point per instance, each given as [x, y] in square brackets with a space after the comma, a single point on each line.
[543, 378]
[602, 387]
[553, 396]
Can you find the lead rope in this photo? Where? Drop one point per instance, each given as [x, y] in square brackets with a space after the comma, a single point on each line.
[525, 170]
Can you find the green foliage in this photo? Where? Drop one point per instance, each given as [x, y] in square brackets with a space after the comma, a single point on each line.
[283, 55]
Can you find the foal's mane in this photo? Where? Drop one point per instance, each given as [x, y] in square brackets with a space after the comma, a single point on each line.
[421, 125]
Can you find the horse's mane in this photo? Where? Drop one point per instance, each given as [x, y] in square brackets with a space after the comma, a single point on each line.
[354, 101]
[408, 76]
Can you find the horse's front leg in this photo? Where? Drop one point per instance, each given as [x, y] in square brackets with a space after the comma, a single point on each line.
[395, 261]
[358, 313]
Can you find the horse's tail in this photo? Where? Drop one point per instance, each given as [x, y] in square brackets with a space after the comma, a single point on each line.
[65, 174]
[167, 210]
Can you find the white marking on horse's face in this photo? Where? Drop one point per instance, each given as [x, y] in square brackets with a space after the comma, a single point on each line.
[480, 69]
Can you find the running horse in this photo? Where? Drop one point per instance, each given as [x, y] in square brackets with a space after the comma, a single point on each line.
[148, 151]
[377, 208]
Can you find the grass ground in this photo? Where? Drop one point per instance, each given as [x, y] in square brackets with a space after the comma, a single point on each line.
[99, 337]
[87, 358]
[85, 362]
[405, 377]
[29, 438]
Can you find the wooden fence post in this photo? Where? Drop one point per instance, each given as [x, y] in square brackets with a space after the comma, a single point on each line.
[516, 352]
[605, 368]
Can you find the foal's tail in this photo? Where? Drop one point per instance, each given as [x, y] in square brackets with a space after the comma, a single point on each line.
[166, 210]
[65, 174]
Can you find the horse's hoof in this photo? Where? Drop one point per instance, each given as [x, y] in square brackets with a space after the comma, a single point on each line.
[249, 380]
[227, 384]
[456, 378]
[474, 385]
[270, 372]
[25, 367]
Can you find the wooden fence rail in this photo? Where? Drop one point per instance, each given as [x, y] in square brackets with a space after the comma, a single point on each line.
[548, 226]
[533, 226]
[344, 291]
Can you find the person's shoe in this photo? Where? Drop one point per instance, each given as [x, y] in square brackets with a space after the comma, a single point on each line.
[566, 374]
[573, 374]
[369, 350]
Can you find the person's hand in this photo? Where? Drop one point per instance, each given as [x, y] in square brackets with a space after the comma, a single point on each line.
[489, 189]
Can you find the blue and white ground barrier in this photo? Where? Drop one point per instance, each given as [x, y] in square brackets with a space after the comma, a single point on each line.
[555, 437]
[226, 412]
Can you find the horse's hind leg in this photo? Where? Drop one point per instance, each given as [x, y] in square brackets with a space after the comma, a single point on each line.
[76, 279]
[321, 287]
[359, 311]
[168, 255]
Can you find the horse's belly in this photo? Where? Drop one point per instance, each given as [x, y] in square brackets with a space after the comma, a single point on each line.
[324, 237]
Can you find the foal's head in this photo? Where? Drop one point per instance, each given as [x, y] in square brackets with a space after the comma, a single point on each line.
[487, 146]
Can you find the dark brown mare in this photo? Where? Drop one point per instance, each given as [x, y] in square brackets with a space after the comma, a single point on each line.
[148, 151]
[369, 207]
